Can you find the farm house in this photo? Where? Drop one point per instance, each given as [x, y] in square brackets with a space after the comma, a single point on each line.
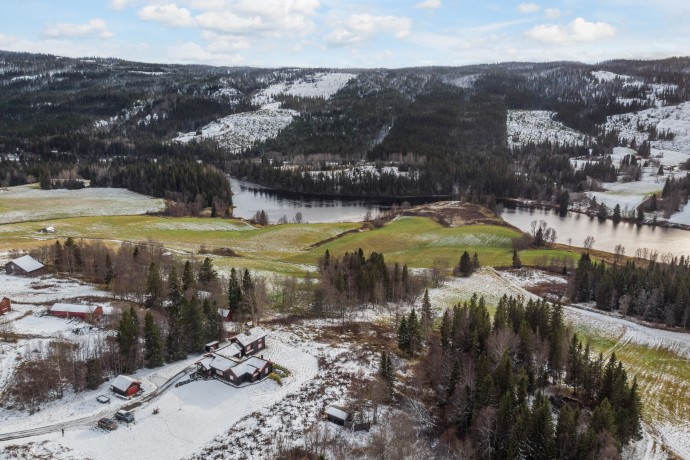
[5, 305]
[251, 341]
[234, 371]
[125, 386]
[67, 310]
[25, 266]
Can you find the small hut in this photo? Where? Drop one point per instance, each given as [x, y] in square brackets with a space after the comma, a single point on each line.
[5, 305]
[125, 386]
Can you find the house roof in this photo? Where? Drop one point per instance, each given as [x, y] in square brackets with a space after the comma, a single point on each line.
[249, 366]
[250, 336]
[221, 363]
[337, 412]
[223, 312]
[228, 351]
[123, 382]
[206, 362]
[73, 308]
[28, 263]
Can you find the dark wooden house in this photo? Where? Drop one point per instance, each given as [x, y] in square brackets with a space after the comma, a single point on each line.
[234, 371]
[251, 341]
[125, 386]
[5, 305]
[25, 266]
[338, 415]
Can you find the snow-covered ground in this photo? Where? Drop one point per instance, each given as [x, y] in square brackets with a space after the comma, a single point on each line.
[321, 85]
[188, 416]
[673, 118]
[27, 203]
[525, 126]
[241, 130]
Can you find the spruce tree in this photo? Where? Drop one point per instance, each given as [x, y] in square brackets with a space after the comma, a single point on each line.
[403, 336]
[616, 214]
[566, 433]
[414, 333]
[206, 272]
[175, 296]
[154, 288]
[234, 292]
[475, 262]
[386, 371]
[152, 342]
[127, 342]
[188, 281]
[517, 263]
[465, 265]
[427, 316]
[193, 326]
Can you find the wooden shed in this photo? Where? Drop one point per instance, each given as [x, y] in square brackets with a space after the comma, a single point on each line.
[125, 386]
[251, 341]
[5, 305]
[68, 310]
[338, 415]
[225, 314]
[25, 266]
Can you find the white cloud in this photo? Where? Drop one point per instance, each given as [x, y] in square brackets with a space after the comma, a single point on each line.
[194, 53]
[122, 4]
[93, 28]
[526, 8]
[577, 31]
[169, 14]
[429, 5]
[554, 13]
[360, 27]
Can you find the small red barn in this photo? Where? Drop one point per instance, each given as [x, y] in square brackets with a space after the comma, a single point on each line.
[225, 314]
[5, 305]
[68, 310]
[125, 386]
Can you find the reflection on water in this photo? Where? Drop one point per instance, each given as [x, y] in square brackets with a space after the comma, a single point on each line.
[249, 198]
[574, 228]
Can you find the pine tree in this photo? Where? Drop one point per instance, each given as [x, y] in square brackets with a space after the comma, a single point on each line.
[465, 265]
[188, 281]
[517, 263]
[542, 433]
[193, 326]
[475, 262]
[234, 292]
[566, 433]
[214, 323]
[154, 288]
[616, 214]
[174, 289]
[127, 342]
[207, 273]
[152, 342]
[414, 333]
[403, 336]
[427, 316]
[386, 371]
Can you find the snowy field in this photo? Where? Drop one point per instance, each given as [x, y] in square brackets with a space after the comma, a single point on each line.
[320, 85]
[241, 130]
[29, 203]
[525, 126]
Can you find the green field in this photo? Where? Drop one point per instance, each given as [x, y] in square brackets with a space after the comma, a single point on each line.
[416, 241]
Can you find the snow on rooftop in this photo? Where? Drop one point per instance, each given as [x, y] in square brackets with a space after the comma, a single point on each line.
[336, 412]
[28, 263]
[221, 363]
[73, 308]
[123, 382]
[228, 351]
[250, 336]
[249, 366]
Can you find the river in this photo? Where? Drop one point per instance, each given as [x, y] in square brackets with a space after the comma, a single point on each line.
[574, 228]
[570, 229]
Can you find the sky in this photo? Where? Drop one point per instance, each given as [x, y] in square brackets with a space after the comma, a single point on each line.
[348, 34]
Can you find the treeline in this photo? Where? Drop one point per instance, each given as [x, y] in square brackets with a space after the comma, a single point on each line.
[654, 291]
[490, 382]
[354, 280]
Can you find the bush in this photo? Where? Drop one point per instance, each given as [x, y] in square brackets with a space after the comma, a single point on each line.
[276, 378]
[283, 369]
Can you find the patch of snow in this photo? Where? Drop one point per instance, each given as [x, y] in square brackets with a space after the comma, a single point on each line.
[321, 85]
[525, 126]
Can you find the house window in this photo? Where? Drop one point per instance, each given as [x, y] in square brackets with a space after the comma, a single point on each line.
[249, 347]
[260, 343]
